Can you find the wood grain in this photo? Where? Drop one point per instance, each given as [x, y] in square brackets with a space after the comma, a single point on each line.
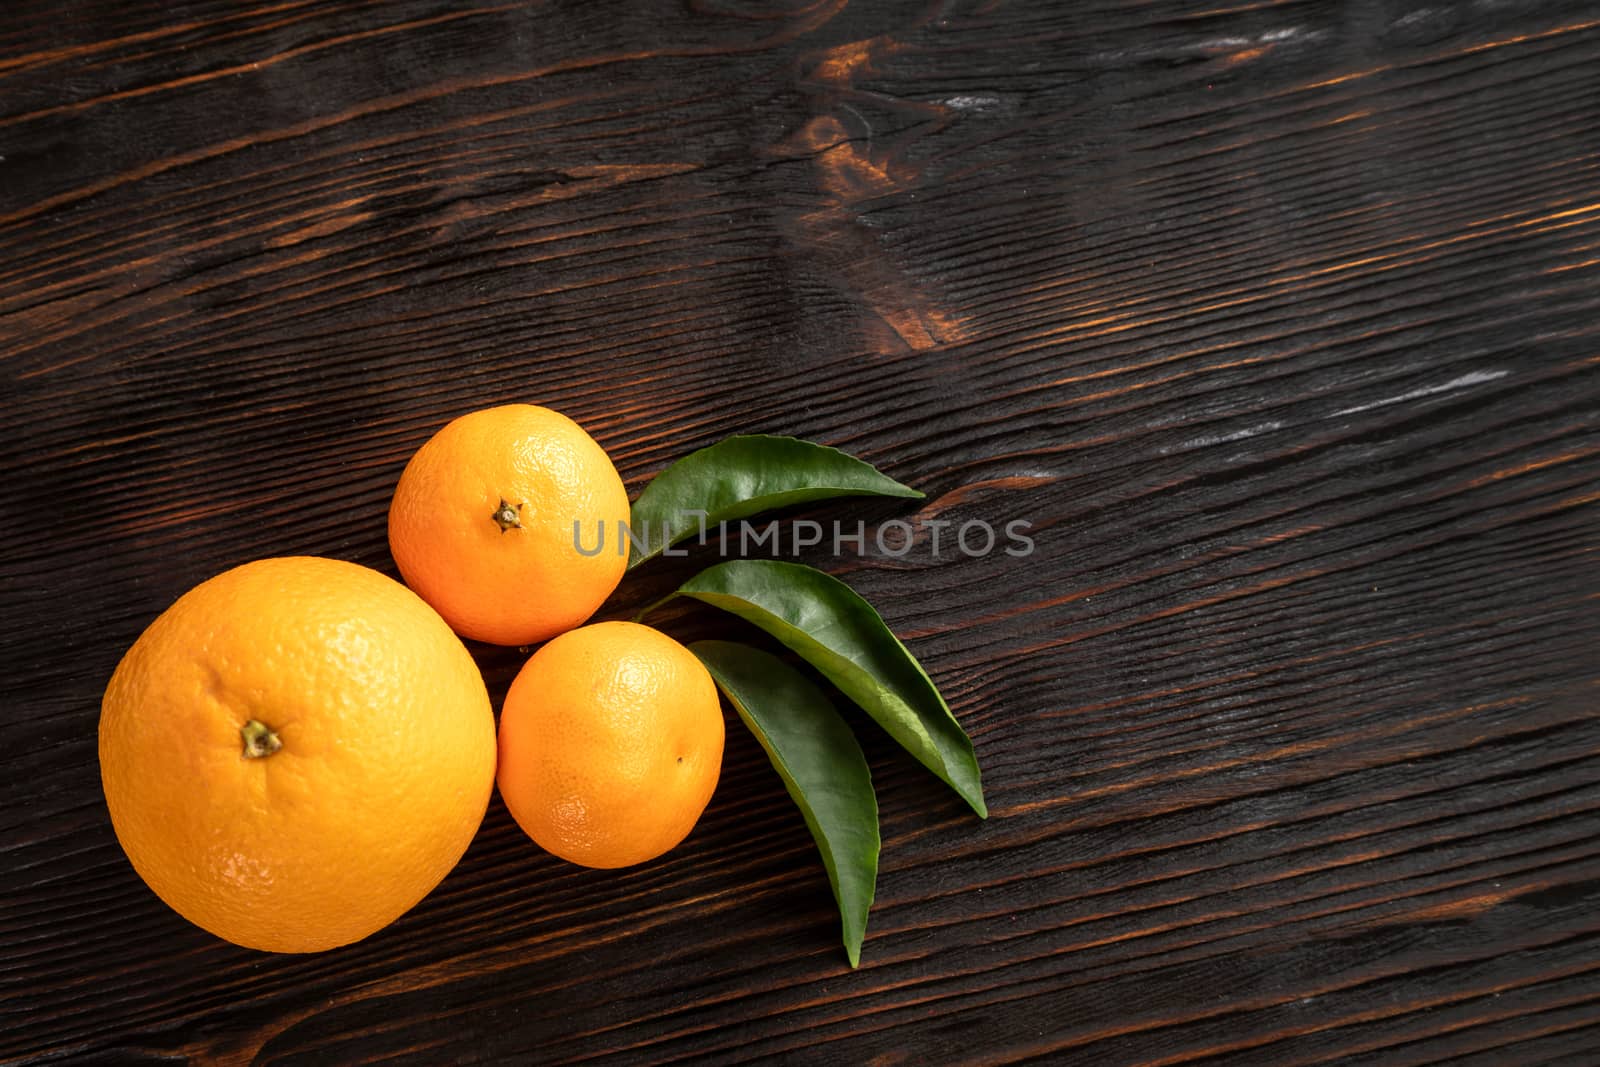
[1278, 321]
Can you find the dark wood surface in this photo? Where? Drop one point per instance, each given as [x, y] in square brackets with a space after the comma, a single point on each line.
[1279, 320]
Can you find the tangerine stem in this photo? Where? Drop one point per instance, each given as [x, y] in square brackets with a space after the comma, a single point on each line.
[507, 516]
[259, 739]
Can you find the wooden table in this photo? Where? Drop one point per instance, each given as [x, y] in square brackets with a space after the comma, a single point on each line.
[1277, 320]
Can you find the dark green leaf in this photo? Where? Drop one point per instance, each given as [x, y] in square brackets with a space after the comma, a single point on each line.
[840, 634]
[743, 476]
[820, 763]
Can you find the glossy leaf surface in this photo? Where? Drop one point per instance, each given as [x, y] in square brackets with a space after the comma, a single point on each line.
[831, 627]
[744, 476]
[820, 763]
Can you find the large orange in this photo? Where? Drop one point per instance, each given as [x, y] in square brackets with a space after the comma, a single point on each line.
[482, 524]
[610, 744]
[295, 752]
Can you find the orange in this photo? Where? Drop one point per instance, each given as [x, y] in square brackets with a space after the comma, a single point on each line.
[610, 744]
[482, 524]
[295, 752]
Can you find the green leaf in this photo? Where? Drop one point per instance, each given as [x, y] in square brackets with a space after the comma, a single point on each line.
[840, 634]
[743, 476]
[820, 763]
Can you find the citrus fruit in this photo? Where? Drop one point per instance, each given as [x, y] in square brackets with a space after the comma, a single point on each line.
[610, 744]
[486, 521]
[295, 752]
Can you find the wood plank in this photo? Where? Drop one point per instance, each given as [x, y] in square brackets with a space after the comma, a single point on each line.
[1277, 321]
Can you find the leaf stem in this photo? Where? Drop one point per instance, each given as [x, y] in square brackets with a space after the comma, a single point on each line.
[653, 605]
